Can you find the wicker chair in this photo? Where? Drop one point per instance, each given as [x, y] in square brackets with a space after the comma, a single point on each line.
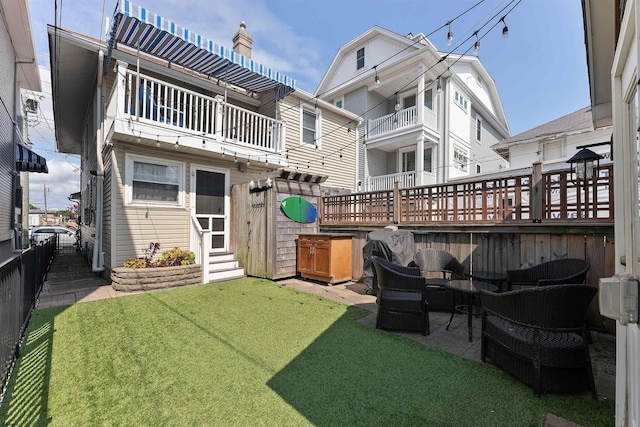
[539, 336]
[400, 300]
[438, 263]
[568, 270]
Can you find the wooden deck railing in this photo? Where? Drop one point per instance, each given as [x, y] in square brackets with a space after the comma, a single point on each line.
[538, 197]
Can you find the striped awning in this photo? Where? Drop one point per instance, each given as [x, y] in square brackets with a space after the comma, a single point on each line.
[162, 38]
[28, 161]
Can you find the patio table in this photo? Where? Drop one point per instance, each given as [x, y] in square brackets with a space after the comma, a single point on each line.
[470, 288]
[493, 277]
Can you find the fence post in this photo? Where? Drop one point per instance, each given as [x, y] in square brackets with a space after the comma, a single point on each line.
[537, 192]
[396, 202]
[321, 206]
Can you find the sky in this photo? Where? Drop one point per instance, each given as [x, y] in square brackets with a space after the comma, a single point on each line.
[540, 70]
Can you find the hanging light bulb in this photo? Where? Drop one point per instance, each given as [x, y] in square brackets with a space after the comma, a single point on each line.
[157, 140]
[251, 185]
[377, 79]
[249, 161]
[139, 136]
[222, 151]
[268, 182]
[505, 30]
[397, 101]
[476, 46]
[177, 143]
[323, 161]
[449, 35]
[439, 85]
[259, 185]
[235, 158]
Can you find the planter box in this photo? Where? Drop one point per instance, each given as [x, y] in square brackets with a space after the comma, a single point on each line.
[146, 279]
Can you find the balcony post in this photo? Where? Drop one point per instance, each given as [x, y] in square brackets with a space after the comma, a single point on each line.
[218, 118]
[537, 193]
[396, 202]
[419, 159]
[420, 97]
[121, 90]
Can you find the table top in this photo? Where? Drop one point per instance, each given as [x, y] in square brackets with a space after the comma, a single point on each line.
[436, 281]
[470, 286]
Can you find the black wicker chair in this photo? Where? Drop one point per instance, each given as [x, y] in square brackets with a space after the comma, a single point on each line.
[441, 264]
[568, 270]
[539, 336]
[400, 300]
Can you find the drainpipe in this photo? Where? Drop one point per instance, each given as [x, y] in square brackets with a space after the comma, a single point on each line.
[97, 264]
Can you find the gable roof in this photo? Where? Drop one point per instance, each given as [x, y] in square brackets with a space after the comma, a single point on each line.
[18, 23]
[572, 124]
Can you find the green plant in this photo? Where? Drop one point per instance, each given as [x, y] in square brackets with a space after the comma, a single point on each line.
[147, 260]
[135, 263]
[175, 257]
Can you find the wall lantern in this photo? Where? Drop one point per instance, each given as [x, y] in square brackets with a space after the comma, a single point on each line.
[582, 165]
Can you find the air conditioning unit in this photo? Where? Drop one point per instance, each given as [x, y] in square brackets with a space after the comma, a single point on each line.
[31, 105]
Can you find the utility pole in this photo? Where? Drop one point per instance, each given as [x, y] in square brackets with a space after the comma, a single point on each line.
[46, 215]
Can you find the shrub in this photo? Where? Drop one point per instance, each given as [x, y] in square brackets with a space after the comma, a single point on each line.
[176, 256]
[135, 263]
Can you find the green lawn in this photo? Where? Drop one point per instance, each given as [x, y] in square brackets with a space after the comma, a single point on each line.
[250, 352]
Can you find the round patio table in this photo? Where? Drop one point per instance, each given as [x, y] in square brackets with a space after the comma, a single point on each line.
[470, 288]
[498, 279]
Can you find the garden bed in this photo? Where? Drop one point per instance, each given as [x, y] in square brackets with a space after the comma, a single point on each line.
[146, 279]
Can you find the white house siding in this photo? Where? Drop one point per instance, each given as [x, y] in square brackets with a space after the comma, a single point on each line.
[481, 153]
[469, 76]
[459, 123]
[356, 102]
[376, 51]
[341, 171]
[7, 78]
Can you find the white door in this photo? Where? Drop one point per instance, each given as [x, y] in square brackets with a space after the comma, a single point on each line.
[626, 148]
[210, 192]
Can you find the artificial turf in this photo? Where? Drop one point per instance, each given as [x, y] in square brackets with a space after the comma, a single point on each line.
[252, 352]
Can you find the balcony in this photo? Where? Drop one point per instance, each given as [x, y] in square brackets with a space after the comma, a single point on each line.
[161, 107]
[401, 120]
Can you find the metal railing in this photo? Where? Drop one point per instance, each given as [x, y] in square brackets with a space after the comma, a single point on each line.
[21, 280]
[552, 196]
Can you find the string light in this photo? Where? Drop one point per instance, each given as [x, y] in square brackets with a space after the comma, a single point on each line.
[157, 140]
[204, 143]
[177, 143]
[476, 46]
[377, 79]
[449, 35]
[235, 158]
[222, 151]
[268, 182]
[439, 85]
[139, 136]
[249, 161]
[505, 29]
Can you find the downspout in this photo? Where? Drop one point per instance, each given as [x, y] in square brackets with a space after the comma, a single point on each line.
[98, 256]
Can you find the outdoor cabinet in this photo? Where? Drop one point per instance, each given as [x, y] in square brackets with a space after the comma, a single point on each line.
[325, 257]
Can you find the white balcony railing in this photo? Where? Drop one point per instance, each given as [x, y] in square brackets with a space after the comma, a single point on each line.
[393, 121]
[386, 182]
[152, 100]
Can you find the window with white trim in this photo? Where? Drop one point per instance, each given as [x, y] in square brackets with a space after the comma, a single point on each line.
[460, 159]
[360, 58]
[428, 159]
[339, 103]
[310, 122]
[478, 129]
[461, 100]
[428, 98]
[152, 181]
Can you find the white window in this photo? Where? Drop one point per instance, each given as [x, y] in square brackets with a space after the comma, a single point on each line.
[461, 100]
[460, 159]
[310, 120]
[478, 128]
[408, 161]
[428, 156]
[151, 181]
[428, 98]
[360, 58]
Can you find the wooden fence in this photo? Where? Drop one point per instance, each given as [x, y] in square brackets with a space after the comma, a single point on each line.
[550, 196]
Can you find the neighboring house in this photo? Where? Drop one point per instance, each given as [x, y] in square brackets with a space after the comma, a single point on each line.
[613, 61]
[165, 130]
[18, 69]
[427, 116]
[555, 142]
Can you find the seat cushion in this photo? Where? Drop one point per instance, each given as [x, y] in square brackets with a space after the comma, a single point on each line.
[556, 348]
[391, 299]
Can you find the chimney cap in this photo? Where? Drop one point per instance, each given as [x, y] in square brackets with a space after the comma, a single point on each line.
[243, 25]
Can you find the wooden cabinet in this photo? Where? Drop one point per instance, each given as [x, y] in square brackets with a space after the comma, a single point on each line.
[325, 257]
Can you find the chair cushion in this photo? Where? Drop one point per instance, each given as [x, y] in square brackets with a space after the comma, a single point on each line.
[556, 348]
[392, 299]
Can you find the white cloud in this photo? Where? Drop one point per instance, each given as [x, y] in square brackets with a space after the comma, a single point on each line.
[62, 180]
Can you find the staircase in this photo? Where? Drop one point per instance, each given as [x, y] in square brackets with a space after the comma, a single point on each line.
[223, 266]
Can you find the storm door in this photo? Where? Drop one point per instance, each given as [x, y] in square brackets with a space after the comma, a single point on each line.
[210, 205]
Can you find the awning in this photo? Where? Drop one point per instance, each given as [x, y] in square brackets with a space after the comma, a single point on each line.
[162, 38]
[28, 161]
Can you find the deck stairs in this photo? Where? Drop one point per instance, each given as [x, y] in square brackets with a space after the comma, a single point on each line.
[223, 266]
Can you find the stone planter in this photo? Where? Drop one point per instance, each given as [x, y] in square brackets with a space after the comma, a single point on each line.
[146, 279]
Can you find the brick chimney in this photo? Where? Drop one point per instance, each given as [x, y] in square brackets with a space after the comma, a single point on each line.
[243, 41]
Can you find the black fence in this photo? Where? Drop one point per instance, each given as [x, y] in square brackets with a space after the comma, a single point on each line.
[21, 279]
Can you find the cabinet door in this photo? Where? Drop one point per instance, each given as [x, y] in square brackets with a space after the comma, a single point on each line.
[305, 256]
[322, 257]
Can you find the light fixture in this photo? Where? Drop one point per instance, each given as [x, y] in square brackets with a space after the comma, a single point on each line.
[177, 143]
[476, 46]
[505, 30]
[377, 79]
[222, 149]
[157, 140]
[249, 161]
[139, 136]
[582, 165]
[251, 185]
[268, 182]
[235, 158]
[259, 185]
[204, 143]
[449, 35]
[397, 101]
[439, 85]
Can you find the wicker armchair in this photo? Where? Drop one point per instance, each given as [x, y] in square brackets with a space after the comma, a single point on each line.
[400, 300]
[539, 336]
[437, 263]
[568, 270]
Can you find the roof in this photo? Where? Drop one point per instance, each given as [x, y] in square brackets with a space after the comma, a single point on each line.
[575, 123]
[18, 23]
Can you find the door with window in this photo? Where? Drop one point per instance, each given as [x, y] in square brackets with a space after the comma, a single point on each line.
[210, 205]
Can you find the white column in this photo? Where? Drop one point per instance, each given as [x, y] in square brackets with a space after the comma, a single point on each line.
[121, 90]
[420, 97]
[419, 160]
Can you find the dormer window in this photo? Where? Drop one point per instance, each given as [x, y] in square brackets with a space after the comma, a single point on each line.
[360, 59]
